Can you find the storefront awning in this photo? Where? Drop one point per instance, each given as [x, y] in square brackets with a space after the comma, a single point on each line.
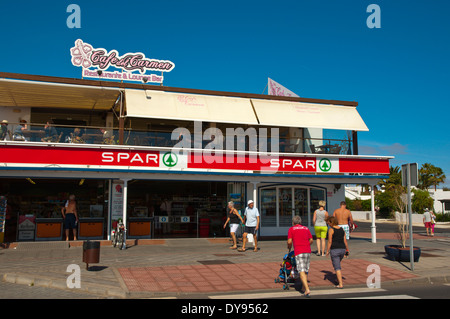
[190, 107]
[219, 109]
[17, 93]
[309, 115]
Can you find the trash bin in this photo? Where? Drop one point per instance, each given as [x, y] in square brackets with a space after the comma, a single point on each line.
[91, 252]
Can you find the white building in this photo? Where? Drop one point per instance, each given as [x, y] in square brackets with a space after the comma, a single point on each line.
[441, 200]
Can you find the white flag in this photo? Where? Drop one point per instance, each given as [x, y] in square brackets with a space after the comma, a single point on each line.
[279, 90]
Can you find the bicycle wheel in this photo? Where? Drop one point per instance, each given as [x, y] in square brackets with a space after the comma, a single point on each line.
[120, 240]
[114, 239]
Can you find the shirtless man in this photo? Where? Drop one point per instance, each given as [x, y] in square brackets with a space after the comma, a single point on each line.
[69, 213]
[344, 217]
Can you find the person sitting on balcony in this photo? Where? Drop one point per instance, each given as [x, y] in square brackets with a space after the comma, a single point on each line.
[18, 132]
[51, 134]
[3, 130]
[108, 138]
[76, 136]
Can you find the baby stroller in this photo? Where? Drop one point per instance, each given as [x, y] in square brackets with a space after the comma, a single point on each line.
[287, 270]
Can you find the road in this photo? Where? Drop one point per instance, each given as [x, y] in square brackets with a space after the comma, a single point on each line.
[415, 291]
[391, 227]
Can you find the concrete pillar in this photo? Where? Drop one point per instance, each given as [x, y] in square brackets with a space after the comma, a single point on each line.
[124, 215]
[373, 227]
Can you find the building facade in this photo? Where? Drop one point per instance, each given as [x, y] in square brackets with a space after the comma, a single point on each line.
[168, 160]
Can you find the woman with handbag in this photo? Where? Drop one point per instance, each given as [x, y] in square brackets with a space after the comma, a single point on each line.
[337, 247]
[233, 219]
[433, 222]
[427, 220]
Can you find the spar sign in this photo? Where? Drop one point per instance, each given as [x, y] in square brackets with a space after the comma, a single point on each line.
[132, 66]
[94, 158]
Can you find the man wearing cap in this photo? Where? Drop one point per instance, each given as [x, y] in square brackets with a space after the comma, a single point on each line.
[3, 130]
[251, 217]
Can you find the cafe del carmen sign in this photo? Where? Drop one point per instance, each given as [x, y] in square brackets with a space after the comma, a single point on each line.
[133, 66]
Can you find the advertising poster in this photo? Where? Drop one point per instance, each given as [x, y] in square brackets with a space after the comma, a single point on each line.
[117, 200]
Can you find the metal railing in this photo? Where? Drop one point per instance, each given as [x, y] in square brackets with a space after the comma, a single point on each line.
[100, 135]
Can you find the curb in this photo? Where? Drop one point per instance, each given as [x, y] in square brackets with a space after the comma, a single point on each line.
[95, 289]
[112, 292]
[421, 280]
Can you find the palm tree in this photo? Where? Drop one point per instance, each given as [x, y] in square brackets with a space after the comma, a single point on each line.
[395, 177]
[430, 175]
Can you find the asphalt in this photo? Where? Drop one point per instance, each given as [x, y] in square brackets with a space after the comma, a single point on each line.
[203, 268]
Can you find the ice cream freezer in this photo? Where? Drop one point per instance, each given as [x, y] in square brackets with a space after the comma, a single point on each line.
[91, 228]
[48, 229]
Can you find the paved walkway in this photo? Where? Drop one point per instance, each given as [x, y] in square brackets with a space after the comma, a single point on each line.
[198, 268]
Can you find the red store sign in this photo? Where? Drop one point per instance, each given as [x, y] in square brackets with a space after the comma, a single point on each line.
[98, 158]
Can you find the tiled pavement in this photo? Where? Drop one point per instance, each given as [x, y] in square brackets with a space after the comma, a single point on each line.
[243, 277]
[202, 267]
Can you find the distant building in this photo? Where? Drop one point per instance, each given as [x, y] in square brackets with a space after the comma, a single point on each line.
[355, 192]
[441, 200]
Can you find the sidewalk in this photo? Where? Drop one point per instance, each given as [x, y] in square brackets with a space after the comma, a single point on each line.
[198, 268]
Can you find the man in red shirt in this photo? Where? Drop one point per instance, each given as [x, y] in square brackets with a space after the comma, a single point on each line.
[300, 237]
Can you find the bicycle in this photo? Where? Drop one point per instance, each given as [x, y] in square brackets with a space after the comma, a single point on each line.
[118, 235]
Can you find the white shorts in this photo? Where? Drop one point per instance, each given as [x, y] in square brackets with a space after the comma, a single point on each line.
[303, 261]
[233, 228]
[346, 229]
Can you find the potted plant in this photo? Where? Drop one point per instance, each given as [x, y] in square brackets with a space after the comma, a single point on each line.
[400, 252]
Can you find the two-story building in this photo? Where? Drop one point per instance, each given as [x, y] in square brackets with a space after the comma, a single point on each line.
[169, 159]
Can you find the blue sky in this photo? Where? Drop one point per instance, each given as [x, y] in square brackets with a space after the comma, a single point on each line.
[399, 74]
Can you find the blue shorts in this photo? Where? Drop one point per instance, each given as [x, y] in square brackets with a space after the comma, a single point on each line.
[70, 221]
[250, 230]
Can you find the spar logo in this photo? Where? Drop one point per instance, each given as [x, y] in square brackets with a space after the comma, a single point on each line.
[324, 165]
[170, 159]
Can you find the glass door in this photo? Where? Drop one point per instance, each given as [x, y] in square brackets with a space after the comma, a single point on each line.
[285, 206]
[268, 207]
[280, 203]
[301, 204]
[316, 196]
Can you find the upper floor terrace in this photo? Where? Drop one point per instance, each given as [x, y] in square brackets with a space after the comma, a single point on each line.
[59, 110]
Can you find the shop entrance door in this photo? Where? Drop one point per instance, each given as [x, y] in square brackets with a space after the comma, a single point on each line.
[285, 206]
[292, 201]
[280, 203]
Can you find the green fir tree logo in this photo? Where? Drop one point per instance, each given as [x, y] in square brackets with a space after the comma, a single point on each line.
[325, 165]
[170, 159]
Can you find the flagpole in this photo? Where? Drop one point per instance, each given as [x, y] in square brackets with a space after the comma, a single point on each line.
[265, 88]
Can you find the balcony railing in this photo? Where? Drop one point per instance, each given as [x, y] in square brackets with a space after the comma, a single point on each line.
[100, 135]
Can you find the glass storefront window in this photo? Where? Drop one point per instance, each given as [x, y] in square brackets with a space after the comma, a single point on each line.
[279, 204]
[316, 195]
